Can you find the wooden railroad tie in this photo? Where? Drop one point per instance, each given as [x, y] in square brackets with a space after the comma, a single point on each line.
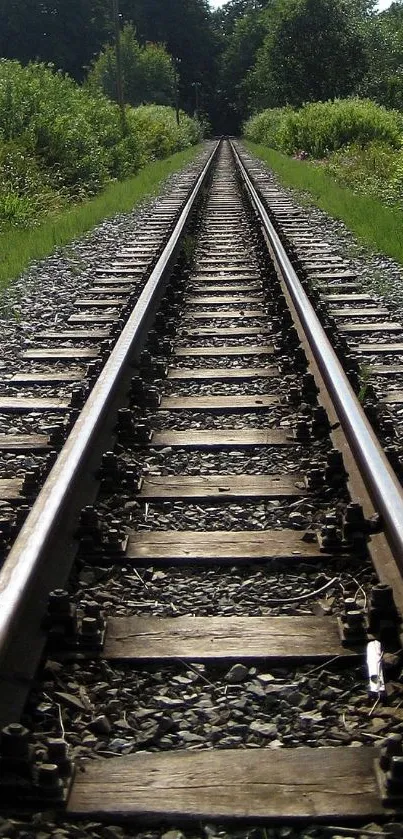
[221, 546]
[223, 438]
[293, 784]
[222, 487]
[218, 403]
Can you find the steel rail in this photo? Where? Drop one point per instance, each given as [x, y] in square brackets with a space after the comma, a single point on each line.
[36, 553]
[381, 481]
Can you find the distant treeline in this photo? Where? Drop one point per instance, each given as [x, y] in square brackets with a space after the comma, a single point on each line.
[247, 56]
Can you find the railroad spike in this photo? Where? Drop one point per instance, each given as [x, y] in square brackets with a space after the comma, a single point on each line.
[302, 428]
[335, 473]
[58, 754]
[355, 527]
[61, 621]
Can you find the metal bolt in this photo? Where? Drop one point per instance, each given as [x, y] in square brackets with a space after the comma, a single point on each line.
[320, 421]
[349, 604]
[299, 360]
[5, 528]
[355, 514]
[31, 480]
[152, 396]
[109, 464]
[57, 749]
[93, 609]
[59, 602]
[142, 433]
[106, 346]
[309, 388]
[77, 397]
[113, 539]
[294, 395]
[331, 536]
[49, 780]
[89, 627]
[383, 616]
[315, 477]
[14, 741]
[55, 433]
[121, 322]
[57, 753]
[89, 518]
[393, 455]
[302, 431]
[22, 512]
[292, 337]
[388, 427]
[355, 618]
[393, 745]
[93, 369]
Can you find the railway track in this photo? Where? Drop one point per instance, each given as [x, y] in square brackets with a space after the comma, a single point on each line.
[231, 628]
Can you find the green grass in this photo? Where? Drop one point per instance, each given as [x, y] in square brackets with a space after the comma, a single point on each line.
[372, 222]
[18, 248]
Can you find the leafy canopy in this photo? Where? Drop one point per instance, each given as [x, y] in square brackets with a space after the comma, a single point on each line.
[148, 73]
[313, 50]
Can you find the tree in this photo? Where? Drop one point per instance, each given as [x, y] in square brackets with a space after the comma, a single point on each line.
[186, 29]
[148, 73]
[240, 56]
[67, 34]
[227, 17]
[384, 46]
[313, 51]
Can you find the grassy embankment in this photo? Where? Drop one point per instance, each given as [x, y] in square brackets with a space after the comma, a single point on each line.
[377, 225]
[19, 247]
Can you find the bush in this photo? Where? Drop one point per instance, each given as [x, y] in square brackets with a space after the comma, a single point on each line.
[61, 142]
[264, 127]
[160, 134]
[72, 133]
[376, 170]
[26, 190]
[323, 127]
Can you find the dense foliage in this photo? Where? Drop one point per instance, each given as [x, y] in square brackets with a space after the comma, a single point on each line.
[357, 141]
[323, 127]
[67, 34]
[60, 142]
[158, 132]
[375, 170]
[285, 58]
[312, 50]
[70, 34]
[245, 56]
[147, 71]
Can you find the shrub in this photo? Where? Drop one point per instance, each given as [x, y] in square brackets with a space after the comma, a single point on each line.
[68, 140]
[160, 134]
[264, 127]
[71, 133]
[26, 190]
[322, 127]
[376, 170]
